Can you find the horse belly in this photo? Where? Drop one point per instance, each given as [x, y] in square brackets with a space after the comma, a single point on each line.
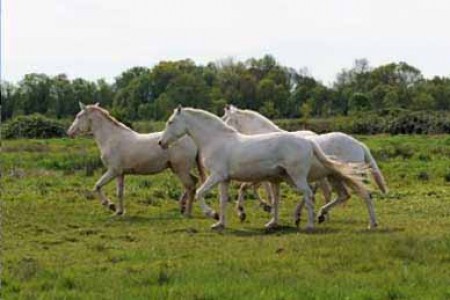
[146, 163]
[255, 173]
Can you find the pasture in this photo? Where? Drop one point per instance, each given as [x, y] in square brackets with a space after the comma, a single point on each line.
[58, 242]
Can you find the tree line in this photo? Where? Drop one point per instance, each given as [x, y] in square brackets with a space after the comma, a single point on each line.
[143, 93]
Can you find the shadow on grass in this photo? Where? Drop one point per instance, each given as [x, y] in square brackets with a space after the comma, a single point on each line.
[139, 219]
[384, 230]
[282, 230]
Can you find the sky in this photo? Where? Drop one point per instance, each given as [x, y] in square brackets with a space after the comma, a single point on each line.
[96, 39]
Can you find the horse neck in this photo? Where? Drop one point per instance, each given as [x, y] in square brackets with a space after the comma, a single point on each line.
[259, 125]
[203, 132]
[105, 130]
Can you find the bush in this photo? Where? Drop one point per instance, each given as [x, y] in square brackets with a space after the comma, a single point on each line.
[392, 122]
[33, 126]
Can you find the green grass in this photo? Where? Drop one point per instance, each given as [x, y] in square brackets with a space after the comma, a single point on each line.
[60, 243]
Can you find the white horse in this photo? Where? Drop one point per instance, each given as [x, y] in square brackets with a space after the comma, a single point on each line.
[274, 157]
[124, 151]
[339, 145]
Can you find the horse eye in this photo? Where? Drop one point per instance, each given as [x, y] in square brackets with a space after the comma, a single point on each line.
[170, 122]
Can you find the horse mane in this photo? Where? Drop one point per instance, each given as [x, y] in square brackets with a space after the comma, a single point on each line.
[106, 114]
[202, 114]
[257, 115]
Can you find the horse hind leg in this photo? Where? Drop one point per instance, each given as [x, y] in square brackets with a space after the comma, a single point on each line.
[372, 217]
[325, 187]
[120, 186]
[269, 191]
[182, 201]
[186, 200]
[343, 196]
[275, 191]
[300, 183]
[240, 201]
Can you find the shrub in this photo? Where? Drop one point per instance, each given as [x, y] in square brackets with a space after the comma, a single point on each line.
[33, 126]
[388, 121]
[419, 123]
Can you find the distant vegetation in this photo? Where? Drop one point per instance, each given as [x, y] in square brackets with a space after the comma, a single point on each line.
[143, 93]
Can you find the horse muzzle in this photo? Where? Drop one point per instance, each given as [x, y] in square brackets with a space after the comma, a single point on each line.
[71, 133]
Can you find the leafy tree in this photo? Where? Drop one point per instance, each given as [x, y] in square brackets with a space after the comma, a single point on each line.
[9, 98]
[34, 90]
[359, 102]
[258, 83]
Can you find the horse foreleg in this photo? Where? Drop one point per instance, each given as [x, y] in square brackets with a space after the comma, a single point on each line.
[223, 205]
[120, 186]
[106, 178]
[209, 183]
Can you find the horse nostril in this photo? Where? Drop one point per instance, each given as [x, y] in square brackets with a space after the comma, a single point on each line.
[159, 143]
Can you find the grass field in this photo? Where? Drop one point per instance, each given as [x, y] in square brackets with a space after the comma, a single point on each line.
[58, 242]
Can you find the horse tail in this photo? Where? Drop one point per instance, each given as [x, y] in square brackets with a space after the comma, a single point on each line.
[376, 172]
[200, 167]
[351, 174]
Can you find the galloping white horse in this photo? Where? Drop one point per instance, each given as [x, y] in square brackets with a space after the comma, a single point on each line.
[124, 151]
[274, 157]
[339, 145]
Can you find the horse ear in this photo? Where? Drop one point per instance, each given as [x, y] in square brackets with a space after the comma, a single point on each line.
[82, 105]
[227, 106]
[97, 104]
[179, 108]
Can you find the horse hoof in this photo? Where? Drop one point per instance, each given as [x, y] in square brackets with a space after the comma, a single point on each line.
[112, 207]
[119, 213]
[182, 210]
[373, 226]
[218, 227]
[309, 229]
[271, 225]
[321, 218]
[242, 216]
[297, 223]
[215, 215]
[267, 208]
[270, 228]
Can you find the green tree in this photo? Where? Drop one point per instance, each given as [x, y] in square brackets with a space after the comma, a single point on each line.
[359, 102]
[34, 91]
[9, 98]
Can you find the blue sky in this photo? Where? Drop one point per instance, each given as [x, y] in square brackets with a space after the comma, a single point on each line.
[100, 39]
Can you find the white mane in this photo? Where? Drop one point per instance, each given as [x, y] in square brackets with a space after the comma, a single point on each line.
[103, 112]
[204, 115]
[258, 116]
